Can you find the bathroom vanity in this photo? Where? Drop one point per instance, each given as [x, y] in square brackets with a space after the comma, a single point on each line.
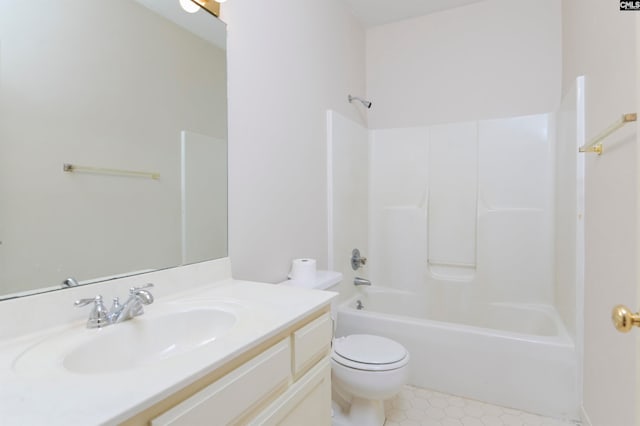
[213, 351]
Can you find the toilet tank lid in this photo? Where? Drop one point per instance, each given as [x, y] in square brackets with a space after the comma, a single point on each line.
[369, 349]
[323, 281]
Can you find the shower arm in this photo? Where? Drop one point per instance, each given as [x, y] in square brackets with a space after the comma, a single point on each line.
[364, 102]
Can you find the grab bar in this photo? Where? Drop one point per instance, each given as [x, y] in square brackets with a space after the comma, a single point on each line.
[596, 145]
[74, 168]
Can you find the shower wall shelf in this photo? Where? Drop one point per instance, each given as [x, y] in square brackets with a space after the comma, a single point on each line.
[596, 143]
[67, 167]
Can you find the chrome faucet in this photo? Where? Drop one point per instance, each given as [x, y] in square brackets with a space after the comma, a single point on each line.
[100, 316]
[361, 281]
[138, 296]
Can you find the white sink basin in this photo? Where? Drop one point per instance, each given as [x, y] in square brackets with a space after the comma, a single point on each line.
[143, 340]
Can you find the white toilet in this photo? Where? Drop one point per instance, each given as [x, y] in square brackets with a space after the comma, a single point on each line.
[365, 369]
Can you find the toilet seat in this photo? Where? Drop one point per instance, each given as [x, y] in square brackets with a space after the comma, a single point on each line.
[368, 352]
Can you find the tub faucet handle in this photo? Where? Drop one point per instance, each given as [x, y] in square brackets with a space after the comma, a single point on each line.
[357, 261]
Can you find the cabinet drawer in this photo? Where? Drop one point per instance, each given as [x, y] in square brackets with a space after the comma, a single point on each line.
[311, 342]
[230, 397]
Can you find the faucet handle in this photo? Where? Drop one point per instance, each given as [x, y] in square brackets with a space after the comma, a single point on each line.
[99, 315]
[84, 302]
[357, 261]
[134, 290]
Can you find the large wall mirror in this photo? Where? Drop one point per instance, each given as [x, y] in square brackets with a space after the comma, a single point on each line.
[122, 85]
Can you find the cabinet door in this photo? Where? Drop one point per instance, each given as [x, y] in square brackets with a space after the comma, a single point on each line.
[307, 402]
[230, 397]
[311, 343]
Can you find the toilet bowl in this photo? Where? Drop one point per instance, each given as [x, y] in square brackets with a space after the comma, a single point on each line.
[366, 370]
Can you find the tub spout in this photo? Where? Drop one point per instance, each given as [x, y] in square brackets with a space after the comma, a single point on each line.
[361, 281]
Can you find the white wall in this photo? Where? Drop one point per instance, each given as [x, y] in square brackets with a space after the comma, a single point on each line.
[600, 42]
[493, 59]
[289, 61]
[115, 97]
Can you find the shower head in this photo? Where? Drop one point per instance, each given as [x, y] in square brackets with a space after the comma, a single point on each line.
[363, 101]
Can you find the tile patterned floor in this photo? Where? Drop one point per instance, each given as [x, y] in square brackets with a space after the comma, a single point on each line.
[420, 407]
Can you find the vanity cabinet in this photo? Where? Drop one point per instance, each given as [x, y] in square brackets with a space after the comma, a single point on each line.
[306, 402]
[284, 381]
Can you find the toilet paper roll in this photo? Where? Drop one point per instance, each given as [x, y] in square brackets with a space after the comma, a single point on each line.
[303, 271]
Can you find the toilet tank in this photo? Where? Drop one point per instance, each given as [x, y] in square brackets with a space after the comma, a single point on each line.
[324, 280]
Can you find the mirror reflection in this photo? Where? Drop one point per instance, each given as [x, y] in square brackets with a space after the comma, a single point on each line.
[109, 85]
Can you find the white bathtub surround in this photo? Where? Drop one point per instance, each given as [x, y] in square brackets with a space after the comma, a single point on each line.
[33, 396]
[404, 230]
[452, 200]
[569, 219]
[416, 406]
[513, 355]
[570, 208]
[347, 197]
[487, 189]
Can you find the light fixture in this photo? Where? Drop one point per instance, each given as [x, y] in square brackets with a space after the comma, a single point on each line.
[192, 6]
[189, 6]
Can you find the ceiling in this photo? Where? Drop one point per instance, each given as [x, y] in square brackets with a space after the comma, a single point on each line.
[379, 12]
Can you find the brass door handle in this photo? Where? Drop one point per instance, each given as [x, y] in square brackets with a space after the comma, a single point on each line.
[623, 319]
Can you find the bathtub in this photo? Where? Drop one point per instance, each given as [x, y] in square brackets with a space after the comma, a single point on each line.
[512, 355]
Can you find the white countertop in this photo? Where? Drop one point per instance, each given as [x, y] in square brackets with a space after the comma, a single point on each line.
[54, 396]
